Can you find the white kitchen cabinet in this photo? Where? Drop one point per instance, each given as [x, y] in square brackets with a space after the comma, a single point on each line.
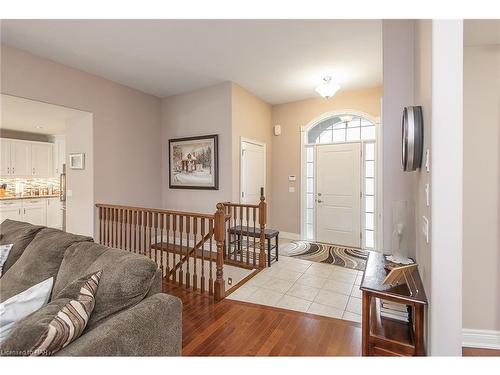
[16, 158]
[5, 161]
[26, 159]
[59, 154]
[11, 210]
[35, 211]
[54, 213]
[41, 159]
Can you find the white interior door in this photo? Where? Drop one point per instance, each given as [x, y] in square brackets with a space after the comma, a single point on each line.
[253, 171]
[338, 191]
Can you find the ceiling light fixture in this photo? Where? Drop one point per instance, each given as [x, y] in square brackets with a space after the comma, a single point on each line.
[328, 88]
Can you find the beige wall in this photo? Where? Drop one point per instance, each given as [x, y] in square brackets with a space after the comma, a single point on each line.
[398, 71]
[126, 123]
[205, 111]
[481, 189]
[251, 118]
[285, 210]
[423, 97]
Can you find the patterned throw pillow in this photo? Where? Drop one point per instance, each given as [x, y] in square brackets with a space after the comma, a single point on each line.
[57, 324]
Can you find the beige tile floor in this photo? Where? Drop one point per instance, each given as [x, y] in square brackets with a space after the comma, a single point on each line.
[301, 285]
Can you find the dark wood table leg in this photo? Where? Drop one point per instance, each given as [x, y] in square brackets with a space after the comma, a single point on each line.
[365, 323]
[269, 252]
[277, 248]
[419, 330]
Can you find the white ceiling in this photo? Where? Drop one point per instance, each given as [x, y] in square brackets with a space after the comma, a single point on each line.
[278, 60]
[31, 116]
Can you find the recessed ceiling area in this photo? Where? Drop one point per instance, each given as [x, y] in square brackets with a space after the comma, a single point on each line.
[31, 116]
[278, 60]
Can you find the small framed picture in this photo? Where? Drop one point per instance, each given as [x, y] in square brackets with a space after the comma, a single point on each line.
[194, 163]
[77, 161]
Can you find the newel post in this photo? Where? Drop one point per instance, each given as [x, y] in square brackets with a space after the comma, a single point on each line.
[262, 224]
[220, 215]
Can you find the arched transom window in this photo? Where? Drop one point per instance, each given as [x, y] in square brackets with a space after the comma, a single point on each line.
[341, 128]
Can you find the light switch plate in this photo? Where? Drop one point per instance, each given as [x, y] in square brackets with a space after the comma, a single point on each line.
[292, 178]
[291, 189]
[425, 228]
[427, 195]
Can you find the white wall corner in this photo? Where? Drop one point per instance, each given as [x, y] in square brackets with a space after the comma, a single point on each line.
[480, 338]
[447, 177]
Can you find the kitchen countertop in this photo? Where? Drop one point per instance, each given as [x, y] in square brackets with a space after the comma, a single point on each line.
[9, 198]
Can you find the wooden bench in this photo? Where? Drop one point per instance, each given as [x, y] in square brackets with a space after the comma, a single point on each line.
[244, 231]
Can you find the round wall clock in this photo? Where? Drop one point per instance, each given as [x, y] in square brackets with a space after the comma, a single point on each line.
[413, 138]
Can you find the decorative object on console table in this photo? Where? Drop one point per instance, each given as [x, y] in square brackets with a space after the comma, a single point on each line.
[77, 161]
[392, 337]
[194, 163]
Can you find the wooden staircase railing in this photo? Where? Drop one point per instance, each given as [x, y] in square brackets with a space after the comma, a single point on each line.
[188, 247]
[245, 241]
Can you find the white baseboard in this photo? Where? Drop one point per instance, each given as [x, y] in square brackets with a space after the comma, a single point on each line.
[290, 236]
[480, 338]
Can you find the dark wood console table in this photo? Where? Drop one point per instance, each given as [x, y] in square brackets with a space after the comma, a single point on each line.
[387, 337]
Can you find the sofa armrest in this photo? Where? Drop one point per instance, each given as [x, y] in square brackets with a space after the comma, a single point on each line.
[153, 327]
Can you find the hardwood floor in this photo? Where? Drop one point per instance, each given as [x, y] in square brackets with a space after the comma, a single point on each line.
[478, 352]
[232, 328]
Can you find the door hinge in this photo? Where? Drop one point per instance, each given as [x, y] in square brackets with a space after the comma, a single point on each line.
[243, 194]
[360, 235]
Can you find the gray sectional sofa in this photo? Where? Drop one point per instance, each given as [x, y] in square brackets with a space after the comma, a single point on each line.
[131, 316]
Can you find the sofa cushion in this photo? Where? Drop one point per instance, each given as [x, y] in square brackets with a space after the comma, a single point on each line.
[20, 235]
[40, 261]
[54, 326]
[125, 281]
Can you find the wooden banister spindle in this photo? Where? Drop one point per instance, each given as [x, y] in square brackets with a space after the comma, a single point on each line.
[262, 224]
[202, 279]
[174, 229]
[247, 224]
[210, 276]
[240, 238]
[161, 224]
[134, 232]
[155, 249]
[181, 231]
[195, 241]
[254, 216]
[219, 287]
[168, 245]
[188, 247]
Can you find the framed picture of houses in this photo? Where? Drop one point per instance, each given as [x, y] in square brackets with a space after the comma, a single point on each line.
[194, 163]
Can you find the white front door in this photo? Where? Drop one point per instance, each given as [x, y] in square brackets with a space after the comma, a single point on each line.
[338, 191]
[253, 171]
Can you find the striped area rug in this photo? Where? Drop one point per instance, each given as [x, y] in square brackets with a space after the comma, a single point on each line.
[347, 257]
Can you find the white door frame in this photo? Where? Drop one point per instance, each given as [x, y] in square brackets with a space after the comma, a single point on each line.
[258, 143]
[378, 245]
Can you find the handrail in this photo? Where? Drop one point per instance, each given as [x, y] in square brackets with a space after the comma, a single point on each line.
[157, 210]
[172, 239]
